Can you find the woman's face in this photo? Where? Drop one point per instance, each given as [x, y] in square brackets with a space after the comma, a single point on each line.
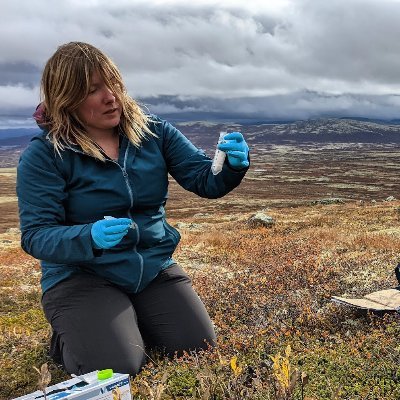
[100, 112]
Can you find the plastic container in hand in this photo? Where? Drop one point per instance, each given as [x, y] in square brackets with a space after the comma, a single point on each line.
[219, 156]
[132, 225]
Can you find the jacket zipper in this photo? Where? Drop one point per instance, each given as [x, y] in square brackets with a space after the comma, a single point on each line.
[135, 226]
[125, 174]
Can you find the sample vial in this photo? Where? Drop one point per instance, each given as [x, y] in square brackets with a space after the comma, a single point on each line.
[132, 225]
[219, 156]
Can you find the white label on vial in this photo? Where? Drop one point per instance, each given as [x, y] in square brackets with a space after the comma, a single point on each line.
[219, 157]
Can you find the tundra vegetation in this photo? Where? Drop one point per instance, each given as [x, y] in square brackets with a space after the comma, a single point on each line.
[268, 288]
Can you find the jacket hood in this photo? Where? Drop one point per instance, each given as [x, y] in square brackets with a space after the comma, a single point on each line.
[40, 117]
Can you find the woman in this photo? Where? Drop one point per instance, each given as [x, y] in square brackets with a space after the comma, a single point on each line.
[91, 190]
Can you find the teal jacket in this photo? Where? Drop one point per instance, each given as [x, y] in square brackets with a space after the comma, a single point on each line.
[60, 198]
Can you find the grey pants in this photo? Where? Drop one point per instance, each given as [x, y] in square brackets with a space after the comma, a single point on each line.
[97, 326]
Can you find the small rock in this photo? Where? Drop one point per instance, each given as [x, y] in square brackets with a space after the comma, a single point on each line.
[190, 226]
[261, 219]
[390, 198]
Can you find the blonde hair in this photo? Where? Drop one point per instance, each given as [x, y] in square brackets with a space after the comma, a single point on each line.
[65, 85]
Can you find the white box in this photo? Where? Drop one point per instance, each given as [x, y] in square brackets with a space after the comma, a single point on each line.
[86, 387]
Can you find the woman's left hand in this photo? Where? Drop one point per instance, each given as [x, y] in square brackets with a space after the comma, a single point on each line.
[236, 149]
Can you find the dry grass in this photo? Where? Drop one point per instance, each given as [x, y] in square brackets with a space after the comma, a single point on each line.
[268, 292]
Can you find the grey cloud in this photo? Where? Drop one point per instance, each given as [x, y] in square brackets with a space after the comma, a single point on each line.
[348, 48]
[23, 73]
[300, 105]
[17, 118]
[348, 40]
[339, 39]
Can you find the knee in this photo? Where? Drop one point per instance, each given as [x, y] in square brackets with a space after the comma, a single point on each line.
[130, 363]
[131, 366]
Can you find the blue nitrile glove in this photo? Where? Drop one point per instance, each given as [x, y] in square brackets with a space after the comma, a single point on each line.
[236, 149]
[107, 233]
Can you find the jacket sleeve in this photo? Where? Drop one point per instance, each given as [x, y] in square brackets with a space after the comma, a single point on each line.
[41, 190]
[191, 167]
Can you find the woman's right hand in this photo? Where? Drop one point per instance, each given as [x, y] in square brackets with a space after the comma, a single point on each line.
[107, 233]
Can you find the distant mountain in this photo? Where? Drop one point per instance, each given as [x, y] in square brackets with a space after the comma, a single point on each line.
[17, 132]
[319, 130]
[205, 134]
[378, 121]
[18, 137]
[19, 141]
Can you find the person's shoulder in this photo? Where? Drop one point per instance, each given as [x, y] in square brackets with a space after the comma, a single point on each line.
[160, 126]
[154, 118]
[38, 148]
[155, 123]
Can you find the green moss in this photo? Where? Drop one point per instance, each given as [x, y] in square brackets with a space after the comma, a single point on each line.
[31, 320]
[352, 373]
[182, 382]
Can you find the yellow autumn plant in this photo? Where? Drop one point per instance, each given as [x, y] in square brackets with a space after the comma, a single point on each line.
[282, 370]
[235, 367]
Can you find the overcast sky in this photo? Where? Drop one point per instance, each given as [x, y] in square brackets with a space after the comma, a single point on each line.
[267, 59]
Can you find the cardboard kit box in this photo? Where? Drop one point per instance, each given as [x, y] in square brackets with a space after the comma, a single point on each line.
[85, 387]
[381, 301]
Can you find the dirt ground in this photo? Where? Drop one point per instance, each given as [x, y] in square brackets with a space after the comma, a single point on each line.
[280, 176]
